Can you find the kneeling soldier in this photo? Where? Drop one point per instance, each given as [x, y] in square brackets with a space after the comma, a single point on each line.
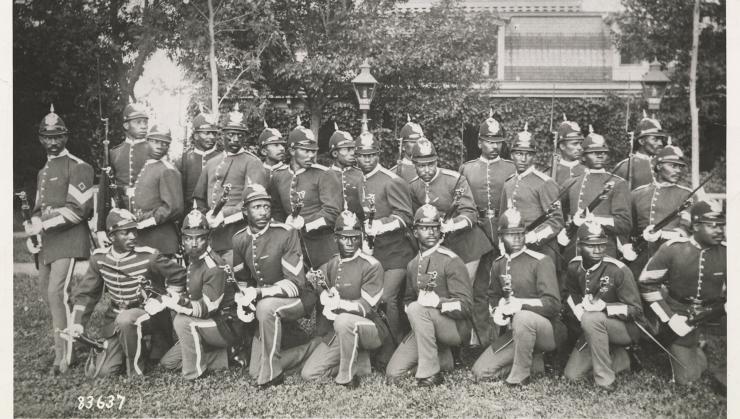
[206, 318]
[438, 299]
[131, 276]
[353, 286]
[605, 300]
[524, 291]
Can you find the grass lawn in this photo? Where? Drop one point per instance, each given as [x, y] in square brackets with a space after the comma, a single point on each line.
[647, 394]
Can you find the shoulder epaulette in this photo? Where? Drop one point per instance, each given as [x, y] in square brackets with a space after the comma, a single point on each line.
[536, 255]
[389, 173]
[75, 158]
[500, 257]
[507, 160]
[249, 153]
[676, 240]
[210, 262]
[168, 165]
[281, 225]
[414, 178]
[319, 166]
[101, 250]
[645, 186]
[240, 232]
[119, 145]
[510, 176]
[449, 172]
[540, 174]
[369, 258]
[614, 261]
[145, 249]
[576, 259]
[685, 188]
[448, 252]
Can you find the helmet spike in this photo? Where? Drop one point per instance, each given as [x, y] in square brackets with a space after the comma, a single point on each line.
[265, 122]
[590, 129]
[408, 118]
[644, 113]
[200, 107]
[669, 141]
[298, 120]
[236, 106]
[526, 126]
[564, 118]
[490, 113]
[336, 128]
[195, 204]
[51, 108]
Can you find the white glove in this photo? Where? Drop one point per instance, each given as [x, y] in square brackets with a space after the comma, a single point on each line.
[589, 305]
[428, 299]
[245, 317]
[578, 310]
[296, 222]
[366, 248]
[32, 248]
[375, 228]
[325, 296]
[153, 306]
[579, 218]
[563, 239]
[512, 307]
[34, 227]
[530, 237]
[247, 296]
[75, 330]
[677, 323]
[498, 317]
[103, 240]
[650, 237]
[169, 301]
[628, 252]
[672, 234]
[447, 226]
[331, 303]
[214, 221]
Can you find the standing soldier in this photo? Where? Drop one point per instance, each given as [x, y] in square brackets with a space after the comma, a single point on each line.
[269, 269]
[532, 193]
[342, 151]
[129, 157]
[272, 148]
[651, 203]
[353, 287]
[206, 322]
[410, 133]
[524, 292]
[157, 202]
[603, 296]
[306, 197]
[685, 284]
[650, 139]
[131, 276]
[613, 211]
[438, 303]
[63, 206]
[232, 170]
[570, 144]
[449, 192]
[389, 227]
[194, 160]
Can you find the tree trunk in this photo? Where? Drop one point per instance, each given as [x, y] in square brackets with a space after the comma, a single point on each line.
[212, 57]
[692, 99]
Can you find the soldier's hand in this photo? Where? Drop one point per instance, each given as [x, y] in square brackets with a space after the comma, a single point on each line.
[563, 239]
[428, 299]
[75, 330]
[590, 305]
[447, 226]
[649, 235]
[512, 307]
[34, 227]
[153, 306]
[296, 222]
[103, 239]
[678, 324]
[331, 302]
[628, 252]
[248, 296]
[214, 220]
[374, 228]
[326, 295]
[530, 237]
[498, 317]
[672, 235]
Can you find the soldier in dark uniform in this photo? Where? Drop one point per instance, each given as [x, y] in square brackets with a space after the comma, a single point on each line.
[308, 187]
[438, 302]
[157, 202]
[129, 157]
[410, 133]
[650, 139]
[272, 148]
[206, 322]
[342, 151]
[121, 271]
[570, 144]
[194, 160]
[603, 296]
[390, 224]
[236, 168]
[269, 269]
[685, 285]
[63, 205]
[654, 201]
[530, 307]
[354, 285]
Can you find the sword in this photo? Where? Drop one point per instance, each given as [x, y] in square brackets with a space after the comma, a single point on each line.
[673, 357]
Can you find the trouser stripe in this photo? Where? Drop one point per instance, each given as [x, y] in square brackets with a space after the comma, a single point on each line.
[276, 334]
[67, 309]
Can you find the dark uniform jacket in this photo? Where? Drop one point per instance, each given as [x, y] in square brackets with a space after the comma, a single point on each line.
[117, 276]
[127, 159]
[406, 170]
[486, 179]
[64, 203]
[351, 179]
[470, 242]
[269, 170]
[321, 206]
[443, 267]
[392, 208]
[358, 279]
[192, 164]
[641, 170]
[622, 288]
[158, 204]
[566, 170]
[237, 169]
[207, 289]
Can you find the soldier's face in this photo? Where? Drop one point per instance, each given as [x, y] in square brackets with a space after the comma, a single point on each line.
[302, 157]
[157, 149]
[232, 141]
[368, 162]
[123, 240]
[274, 152]
[513, 242]
[258, 214]
[53, 144]
[205, 140]
[195, 245]
[669, 172]
[136, 128]
[522, 160]
[651, 144]
[592, 253]
[571, 150]
[489, 149]
[347, 245]
[408, 147]
[595, 159]
[427, 236]
[709, 234]
[345, 156]
[426, 170]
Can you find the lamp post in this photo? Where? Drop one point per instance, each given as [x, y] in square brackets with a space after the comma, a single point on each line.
[654, 84]
[364, 85]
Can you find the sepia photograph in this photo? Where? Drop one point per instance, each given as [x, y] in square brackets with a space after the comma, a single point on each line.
[368, 208]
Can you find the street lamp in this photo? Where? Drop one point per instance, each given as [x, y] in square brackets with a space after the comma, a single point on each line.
[654, 84]
[364, 85]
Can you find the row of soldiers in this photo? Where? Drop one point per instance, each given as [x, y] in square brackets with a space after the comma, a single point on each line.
[402, 267]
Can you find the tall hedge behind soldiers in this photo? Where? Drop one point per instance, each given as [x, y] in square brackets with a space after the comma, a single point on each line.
[129, 157]
[63, 205]
[205, 130]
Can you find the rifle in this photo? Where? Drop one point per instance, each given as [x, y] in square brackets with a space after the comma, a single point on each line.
[98, 345]
[554, 170]
[34, 241]
[370, 216]
[242, 312]
[109, 194]
[456, 197]
[639, 242]
[629, 160]
[222, 200]
[706, 311]
[571, 228]
[296, 208]
[554, 206]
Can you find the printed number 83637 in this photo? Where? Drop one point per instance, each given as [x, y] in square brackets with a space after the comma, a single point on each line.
[101, 402]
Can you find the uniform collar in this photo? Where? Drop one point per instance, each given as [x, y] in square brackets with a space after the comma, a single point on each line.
[63, 153]
[405, 160]
[133, 141]
[591, 269]
[336, 168]
[297, 172]
[486, 161]
[431, 250]
[200, 152]
[568, 163]
[374, 171]
[274, 166]
[241, 150]
[150, 161]
[515, 254]
[357, 253]
[259, 233]
[589, 171]
[693, 241]
[117, 256]
[663, 184]
[529, 170]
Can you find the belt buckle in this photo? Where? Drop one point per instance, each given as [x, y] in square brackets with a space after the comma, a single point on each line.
[130, 192]
[490, 213]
